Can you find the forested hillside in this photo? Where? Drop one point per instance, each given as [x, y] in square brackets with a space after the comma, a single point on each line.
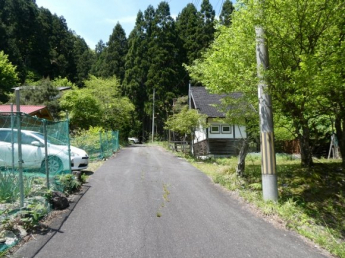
[41, 45]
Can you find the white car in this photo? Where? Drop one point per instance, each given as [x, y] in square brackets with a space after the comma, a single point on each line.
[33, 152]
[133, 140]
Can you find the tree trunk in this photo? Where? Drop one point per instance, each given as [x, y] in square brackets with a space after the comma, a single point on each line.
[340, 132]
[242, 157]
[306, 148]
[183, 144]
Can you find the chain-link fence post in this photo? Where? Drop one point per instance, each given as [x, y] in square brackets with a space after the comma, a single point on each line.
[101, 145]
[45, 134]
[20, 156]
[68, 142]
[12, 137]
[117, 145]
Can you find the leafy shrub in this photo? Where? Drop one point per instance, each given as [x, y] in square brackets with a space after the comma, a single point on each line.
[97, 142]
[9, 186]
[84, 178]
[31, 215]
[68, 183]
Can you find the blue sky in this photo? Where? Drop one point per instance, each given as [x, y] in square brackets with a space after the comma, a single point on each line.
[95, 19]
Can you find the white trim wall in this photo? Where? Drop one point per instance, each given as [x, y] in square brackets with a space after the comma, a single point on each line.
[224, 131]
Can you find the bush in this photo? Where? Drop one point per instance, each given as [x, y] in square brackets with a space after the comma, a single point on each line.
[9, 186]
[68, 183]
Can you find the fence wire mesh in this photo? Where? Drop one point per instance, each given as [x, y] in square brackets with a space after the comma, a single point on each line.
[35, 157]
[98, 144]
[34, 153]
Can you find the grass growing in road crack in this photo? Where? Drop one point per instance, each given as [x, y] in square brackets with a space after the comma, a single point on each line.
[142, 174]
[166, 194]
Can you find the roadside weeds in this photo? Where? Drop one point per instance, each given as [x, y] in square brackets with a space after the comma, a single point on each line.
[311, 202]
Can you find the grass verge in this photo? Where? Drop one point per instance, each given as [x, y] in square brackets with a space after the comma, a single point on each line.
[311, 201]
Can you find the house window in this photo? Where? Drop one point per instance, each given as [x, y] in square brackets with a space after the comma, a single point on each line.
[214, 128]
[226, 129]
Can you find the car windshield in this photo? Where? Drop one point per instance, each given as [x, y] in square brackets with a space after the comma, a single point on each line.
[51, 140]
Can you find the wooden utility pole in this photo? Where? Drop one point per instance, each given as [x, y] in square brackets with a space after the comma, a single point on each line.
[268, 160]
[153, 115]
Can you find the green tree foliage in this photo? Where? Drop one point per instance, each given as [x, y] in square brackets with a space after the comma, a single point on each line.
[293, 76]
[165, 70]
[8, 76]
[61, 49]
[185, 121]
[154, 62]
[196, 31]
[298, 33]
[99, 48]
[19, 20]
[99, 103]
[324, 66]
[83, 58]
[180, 104]
[42, 92]
[63, 82]
[96, 67]
[225, 15]
[116, 109]
[188, 25]
[83, 109]
[112, 56]
[40, 44]
[42, 65]
[136, 72]
[207, 15]
[117, 51]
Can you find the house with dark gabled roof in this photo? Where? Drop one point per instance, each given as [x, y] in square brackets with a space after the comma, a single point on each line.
[220, 138]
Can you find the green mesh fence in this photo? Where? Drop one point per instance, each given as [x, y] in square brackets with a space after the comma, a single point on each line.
[43, 148]
[35, 154]
[98, 144]
[35, 138]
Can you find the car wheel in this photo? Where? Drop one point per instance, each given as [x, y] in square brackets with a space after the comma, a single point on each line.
[54, 165]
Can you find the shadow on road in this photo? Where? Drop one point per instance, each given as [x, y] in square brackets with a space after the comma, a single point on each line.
[88, 173]
[54, 227]
[136, 145]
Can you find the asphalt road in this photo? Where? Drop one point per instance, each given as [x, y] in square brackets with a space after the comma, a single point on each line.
[146, 202]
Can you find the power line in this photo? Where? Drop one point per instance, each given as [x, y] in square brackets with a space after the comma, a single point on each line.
[220, 8]
[196, 4]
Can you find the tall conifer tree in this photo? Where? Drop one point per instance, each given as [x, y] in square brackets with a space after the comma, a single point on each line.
[165, 69]
[136, 73]
[207, 14]
[38, 43]
[83, 59]
[19, 19]
[225, 15]
[115, 54]
[96, 68]
[188, 24]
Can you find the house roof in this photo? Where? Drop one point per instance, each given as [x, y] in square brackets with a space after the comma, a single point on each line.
[62, 88]
[39, 111]
[205, 101]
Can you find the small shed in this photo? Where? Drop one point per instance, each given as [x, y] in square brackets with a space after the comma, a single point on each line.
[220, 138]
[32, 110]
